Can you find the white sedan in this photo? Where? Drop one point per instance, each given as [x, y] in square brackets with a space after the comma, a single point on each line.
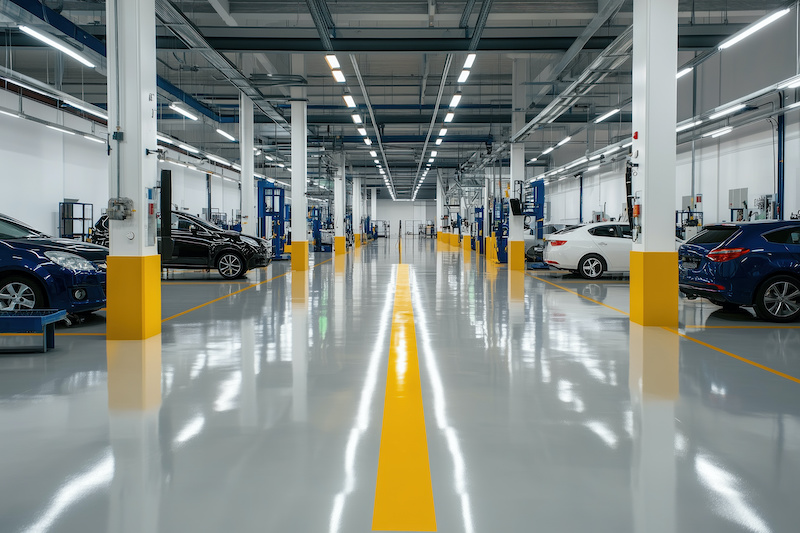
[591, 250]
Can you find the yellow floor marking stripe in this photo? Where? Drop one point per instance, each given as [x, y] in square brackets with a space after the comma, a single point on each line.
[710, 346]
[741, 327]
[576, 294]
[403, 493]
[739, 357]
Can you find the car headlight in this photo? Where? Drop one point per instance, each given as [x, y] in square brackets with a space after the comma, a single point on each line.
[251, 242]
[71, 261]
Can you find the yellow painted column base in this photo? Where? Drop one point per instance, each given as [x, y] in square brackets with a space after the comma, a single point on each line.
[339, 245]
[516, 255]
[654, 288]
[357, 240]
[467, 247]
[299, 255]
[133, 294]
[491, 250]
[300, 286]
[134, 374]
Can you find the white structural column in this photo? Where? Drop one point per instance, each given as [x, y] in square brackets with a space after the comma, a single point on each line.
[439, 207]
[134, 266]
[519, 102]
[654, 262]
[247, 157]
[339, 207]
[373, 212]
[299, 161]
[358, 205]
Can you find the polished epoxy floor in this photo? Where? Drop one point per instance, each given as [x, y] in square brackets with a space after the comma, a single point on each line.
[544, 408]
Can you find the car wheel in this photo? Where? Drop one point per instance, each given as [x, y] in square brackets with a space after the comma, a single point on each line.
[778, 299]
[18, 293]
[591, 267]
[230, 265]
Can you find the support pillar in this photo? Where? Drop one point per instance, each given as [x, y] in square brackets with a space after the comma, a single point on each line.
[519, 102]
[134, 266]
[373, 212]
[488, 238]
[358, 204]
[247, 158]
[439, 208]
[339, 208]
[654, 262]
[299, 175]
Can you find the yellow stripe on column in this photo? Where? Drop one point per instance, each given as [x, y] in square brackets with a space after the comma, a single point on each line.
[403, 493]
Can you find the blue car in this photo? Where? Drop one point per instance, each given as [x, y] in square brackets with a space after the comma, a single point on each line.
[37, 271]
[746, 264]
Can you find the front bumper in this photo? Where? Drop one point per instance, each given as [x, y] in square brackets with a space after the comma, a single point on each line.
[75, 292]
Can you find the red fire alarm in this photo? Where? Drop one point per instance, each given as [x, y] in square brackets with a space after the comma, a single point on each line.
[635, 134]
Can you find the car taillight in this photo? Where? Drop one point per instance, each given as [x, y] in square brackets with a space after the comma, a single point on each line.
[557, 243]
[720, 255]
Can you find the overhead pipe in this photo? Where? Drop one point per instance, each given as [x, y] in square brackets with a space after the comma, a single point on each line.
[448, 61]
[480, 24]
[466, 14]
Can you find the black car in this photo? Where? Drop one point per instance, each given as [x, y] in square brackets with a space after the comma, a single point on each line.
[38, 271]
[196, 243]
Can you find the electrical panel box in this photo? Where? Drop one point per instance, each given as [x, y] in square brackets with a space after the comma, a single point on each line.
[687, 204]
[737, 198]
[120, 208]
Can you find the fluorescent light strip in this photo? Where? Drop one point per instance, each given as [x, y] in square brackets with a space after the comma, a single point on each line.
[595, 157]
[547, 151]
[684, 72]
[719, 133]
[45, 38]
[94, 139]
[349, 100]
[455, 100]
[228, 135]
[338, 76]
[28, 87]
[438, 141]
[753, 28]
[611, 151]
[373, 153]
[688, 126]
[434, 153]
[218, 159]
[86, 109]
[449, 117]
[606, 116]
[362, 132]
[182, 111]
[463, 76]
[356, 118]
[368, 141]
[10, 114]
[535, 159]
[563, 141]
[731, 110]
[269, 158]
[442, 132]
[188, 148]
[469, 61]
[60, 129]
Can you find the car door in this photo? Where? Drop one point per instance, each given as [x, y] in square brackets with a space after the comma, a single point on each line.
[612, 246]
[192, 242]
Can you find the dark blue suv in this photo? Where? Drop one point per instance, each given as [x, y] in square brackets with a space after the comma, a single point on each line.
[38, 271]
[746, 264]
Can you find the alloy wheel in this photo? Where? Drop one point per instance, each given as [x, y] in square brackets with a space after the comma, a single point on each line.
[782, 299]
[592, 267]
[15, 296]
[230, 265]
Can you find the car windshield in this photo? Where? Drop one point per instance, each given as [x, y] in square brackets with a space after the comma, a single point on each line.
[713, 235]
[201, 222]
[17, 230]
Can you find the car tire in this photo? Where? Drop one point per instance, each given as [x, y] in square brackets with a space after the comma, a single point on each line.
[591, 266]
[778, 299]
[230, 265]
[20, 293]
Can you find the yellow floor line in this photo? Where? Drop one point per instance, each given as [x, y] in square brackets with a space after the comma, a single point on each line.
[576, 294]
[741, 327]
[403, 493]
[676, 332]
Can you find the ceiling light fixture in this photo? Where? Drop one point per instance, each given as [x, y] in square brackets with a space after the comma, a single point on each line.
[438, 141]
[338, 76]
[548, 150]
[362, 132]
[216, 159]
[368, 141]
[187, 148]
[563, 141]
[754, 28]
[348, 99]
[719, 133]
[535, 159]
[606, 116]
[269, 158]
[434, 153]
[10, 114]
[48, 39]
[175, 107]
[449, 117]
[333, 61]
[688, 126]
[94, 139]
[463, 76]
[455, 100]
[469, 61]
[684, 72]
[592, 168]
[86, 109]
[729, 111]
[442, 132]
[227, 135]
[61, 130]
[356, 118]
[373, 153]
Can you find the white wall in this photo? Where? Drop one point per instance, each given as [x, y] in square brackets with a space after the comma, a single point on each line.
[419, 210]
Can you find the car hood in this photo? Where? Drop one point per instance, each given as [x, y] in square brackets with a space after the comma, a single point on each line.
[92, 252]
